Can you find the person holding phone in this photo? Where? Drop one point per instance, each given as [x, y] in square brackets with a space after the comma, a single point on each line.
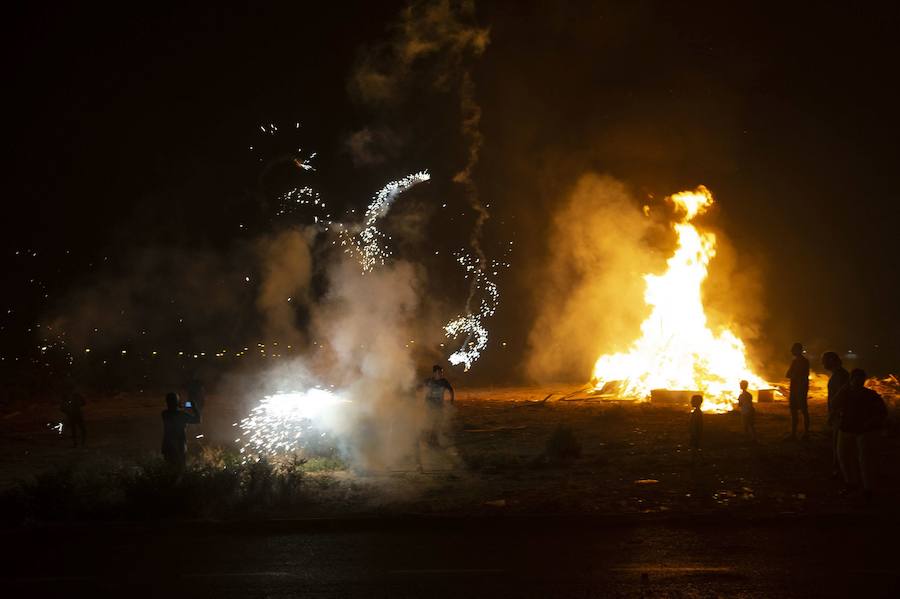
[174, 441]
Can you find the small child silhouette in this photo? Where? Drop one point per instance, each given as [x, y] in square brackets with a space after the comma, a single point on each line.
[696, 425]
[748, 413]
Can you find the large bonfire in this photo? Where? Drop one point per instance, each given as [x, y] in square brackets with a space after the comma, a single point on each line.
[677, 350]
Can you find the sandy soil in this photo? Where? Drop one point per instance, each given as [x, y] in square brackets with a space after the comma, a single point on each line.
[634, 457]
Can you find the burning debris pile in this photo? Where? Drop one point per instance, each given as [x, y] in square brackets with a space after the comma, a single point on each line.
[888, 387]
[677, 350]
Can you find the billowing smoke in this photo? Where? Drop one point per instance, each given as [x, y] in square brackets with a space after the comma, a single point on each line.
[590, 289]
[372, 146]
[438, 32]
[363, 331]
[367, 323]
[286, 273]
[354, 388]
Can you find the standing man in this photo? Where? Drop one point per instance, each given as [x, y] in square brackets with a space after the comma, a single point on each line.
[798, 373]
[863, 415]
[71, 405]
[435, 387]
[174, 441]
[837, 381]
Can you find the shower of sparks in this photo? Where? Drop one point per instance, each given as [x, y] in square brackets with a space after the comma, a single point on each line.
[304, 197]
[285, 422]
[471, 325]
[366, 243]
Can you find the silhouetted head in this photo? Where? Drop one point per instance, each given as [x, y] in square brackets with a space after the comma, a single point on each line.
[696, 401]
[858, 378]
[172, 400]
[797, 349]
[744, 385]
[437, 372]
[830, 360]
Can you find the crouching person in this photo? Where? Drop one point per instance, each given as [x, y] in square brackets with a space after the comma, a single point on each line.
[174, 441]
[863, 416]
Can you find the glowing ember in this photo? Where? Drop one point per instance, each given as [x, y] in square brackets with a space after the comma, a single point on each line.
[677, 350]
[282, 423]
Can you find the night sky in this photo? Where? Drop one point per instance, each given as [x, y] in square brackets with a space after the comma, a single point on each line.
[131, 128]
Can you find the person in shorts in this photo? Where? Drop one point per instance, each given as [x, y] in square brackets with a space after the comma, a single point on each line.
[436, 386]
[798, 373]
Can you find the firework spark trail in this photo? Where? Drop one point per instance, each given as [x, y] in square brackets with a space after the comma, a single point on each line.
[282, 423]
[366, 243]
[471, 324]
[477, 266]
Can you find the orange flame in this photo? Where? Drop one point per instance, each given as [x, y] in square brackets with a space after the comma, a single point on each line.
[677, 350]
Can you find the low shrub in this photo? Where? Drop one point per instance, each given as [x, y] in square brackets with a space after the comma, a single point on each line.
[217, 486]
[562, 446]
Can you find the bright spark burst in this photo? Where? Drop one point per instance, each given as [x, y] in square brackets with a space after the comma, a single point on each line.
[285, 422]
[366, 243]
[677, 350]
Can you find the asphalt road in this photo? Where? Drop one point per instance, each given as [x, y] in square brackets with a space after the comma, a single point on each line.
[789, 557]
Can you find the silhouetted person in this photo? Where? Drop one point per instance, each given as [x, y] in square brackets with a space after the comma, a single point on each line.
[748, 413]
[174, 442]
[838, 380]
[696, 426]
[798, 373]
[863, 416]
[71, 405]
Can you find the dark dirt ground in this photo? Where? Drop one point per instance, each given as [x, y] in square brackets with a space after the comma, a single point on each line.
[634, 458]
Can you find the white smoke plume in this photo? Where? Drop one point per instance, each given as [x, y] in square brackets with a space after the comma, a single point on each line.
[367, 323]
[286, 272]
